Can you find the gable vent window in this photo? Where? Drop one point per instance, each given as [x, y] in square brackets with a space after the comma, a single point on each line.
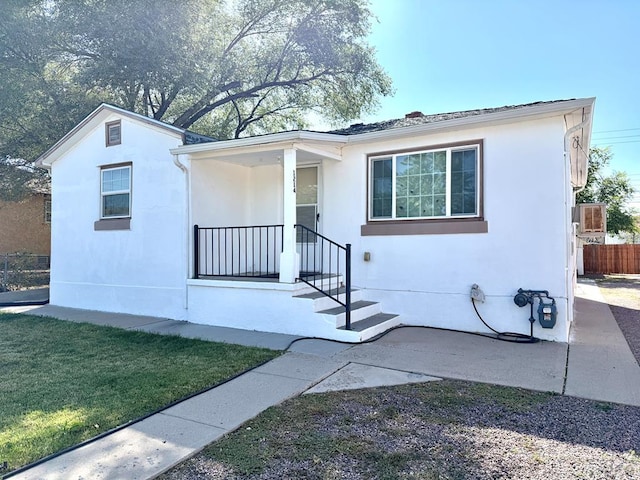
[113, 133]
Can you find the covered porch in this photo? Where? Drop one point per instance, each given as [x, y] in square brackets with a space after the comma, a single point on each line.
[256, 209]
[256, 241]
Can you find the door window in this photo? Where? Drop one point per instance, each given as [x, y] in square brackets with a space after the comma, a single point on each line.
[307, 202]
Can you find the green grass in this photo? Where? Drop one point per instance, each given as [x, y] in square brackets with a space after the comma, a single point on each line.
[62, 383]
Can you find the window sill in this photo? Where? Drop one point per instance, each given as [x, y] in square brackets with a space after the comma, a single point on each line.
[433, 227]
[112, 224]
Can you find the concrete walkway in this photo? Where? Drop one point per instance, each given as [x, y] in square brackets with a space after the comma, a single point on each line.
[601, 365]
[597, 364]
[33, 296]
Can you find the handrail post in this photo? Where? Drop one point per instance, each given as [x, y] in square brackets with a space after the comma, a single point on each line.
[348, 286]
[196, 252]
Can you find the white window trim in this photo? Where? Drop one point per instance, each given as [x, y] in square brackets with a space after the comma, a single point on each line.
[448, 149]
[114, 192]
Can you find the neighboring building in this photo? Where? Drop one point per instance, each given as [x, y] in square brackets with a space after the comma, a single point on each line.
[25, 225]
[145, 221]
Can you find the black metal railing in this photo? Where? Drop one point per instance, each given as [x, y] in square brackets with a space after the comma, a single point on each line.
[322, 263]
[252, 251]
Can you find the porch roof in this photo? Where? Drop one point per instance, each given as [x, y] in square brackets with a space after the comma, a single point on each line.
[268, 149]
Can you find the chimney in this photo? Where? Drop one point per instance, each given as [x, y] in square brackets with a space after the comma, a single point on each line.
[415, 114]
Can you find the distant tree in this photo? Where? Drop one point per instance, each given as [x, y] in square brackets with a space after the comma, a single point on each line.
[225, 68]
[632, 237]
[18, 178]
[615, 190]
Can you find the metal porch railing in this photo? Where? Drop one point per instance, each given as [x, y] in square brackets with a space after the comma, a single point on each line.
[252, 251]
[322, 263]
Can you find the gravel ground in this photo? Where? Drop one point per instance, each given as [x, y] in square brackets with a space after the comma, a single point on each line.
[438, 430]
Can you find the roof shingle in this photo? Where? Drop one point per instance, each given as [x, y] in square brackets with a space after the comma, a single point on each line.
[418, 119]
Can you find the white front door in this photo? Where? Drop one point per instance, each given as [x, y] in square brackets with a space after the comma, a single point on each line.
[307, 196]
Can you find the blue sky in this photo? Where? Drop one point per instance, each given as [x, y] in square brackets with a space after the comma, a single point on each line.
[448, 55]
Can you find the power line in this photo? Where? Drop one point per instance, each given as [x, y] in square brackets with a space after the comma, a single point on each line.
[619, 130]
[616, 143]
[614, 138]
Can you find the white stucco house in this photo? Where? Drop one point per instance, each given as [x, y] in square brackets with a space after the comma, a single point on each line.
[153, 220]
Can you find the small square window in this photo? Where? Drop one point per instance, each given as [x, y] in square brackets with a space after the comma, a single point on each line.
[113, 133]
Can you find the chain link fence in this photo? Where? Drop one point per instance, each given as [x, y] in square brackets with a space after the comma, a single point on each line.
[23, 270]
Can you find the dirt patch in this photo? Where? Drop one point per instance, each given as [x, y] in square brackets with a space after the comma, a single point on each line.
[439, 430]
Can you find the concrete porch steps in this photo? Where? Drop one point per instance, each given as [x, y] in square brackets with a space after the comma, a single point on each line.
[316, 294]
[371, 322]
[358, 308]
[367, 317]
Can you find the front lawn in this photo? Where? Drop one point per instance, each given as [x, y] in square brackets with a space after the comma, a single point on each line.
[62, 382]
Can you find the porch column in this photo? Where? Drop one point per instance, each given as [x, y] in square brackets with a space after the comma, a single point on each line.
[289, 258]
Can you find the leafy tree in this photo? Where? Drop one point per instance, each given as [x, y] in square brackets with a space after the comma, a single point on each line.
[18, 178]
[38, 103]
[225, 68]
[615, 190]
[634, 236]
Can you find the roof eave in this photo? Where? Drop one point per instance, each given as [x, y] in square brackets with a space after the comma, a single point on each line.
[268, 139]
[579, 125]
[497, 118]
[500, 117]
[47, 158]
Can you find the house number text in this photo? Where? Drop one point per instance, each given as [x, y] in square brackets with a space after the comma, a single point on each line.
[294, 181]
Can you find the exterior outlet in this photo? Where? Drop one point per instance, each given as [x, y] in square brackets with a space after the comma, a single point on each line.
[476, 293]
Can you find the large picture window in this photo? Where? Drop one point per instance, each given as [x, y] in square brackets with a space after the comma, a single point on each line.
[433, 183]
[115, 192]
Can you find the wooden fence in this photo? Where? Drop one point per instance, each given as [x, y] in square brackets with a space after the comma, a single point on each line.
[611, 259]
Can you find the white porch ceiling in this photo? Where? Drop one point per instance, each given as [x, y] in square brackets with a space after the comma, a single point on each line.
[257, 158]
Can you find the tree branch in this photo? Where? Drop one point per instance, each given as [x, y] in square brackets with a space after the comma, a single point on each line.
[247, 94]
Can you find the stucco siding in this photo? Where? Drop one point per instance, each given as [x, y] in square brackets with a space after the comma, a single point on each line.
[266, 195]
[224, 194]
[427, 278]
[141, 270]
